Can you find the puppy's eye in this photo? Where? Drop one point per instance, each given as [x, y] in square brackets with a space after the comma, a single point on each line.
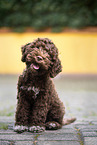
[39, 58]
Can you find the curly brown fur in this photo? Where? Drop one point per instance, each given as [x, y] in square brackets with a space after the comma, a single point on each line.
[38, 106]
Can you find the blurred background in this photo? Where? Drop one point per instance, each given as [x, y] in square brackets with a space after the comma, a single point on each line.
[72, 26]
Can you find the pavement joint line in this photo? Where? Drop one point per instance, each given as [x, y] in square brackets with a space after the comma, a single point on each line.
[35, 139]
[80, 136]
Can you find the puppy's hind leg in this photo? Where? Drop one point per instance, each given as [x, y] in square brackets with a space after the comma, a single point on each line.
[53, 125]
[54, 119]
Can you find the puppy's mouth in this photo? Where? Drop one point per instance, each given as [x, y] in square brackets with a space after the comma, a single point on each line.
[35, 66]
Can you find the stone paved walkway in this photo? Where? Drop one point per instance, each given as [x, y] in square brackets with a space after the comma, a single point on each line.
[83, 132]
[74, 93]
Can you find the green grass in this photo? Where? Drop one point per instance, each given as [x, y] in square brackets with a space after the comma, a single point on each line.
[3, 126]
[7, 111]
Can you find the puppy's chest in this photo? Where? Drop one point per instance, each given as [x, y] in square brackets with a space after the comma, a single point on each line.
[30, 90]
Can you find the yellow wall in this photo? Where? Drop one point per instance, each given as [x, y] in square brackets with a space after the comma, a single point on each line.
[78, 51]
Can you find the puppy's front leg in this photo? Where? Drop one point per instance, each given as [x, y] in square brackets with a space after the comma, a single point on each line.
[37, 122]
[22, 115]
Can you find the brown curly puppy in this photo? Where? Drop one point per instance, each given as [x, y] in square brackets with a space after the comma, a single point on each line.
[38, 106]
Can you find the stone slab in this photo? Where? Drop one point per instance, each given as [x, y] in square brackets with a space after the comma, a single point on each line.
[57, 143]
[6, 143]
[63, 130]
[56, 137]
[7, 132]
[88, 130]
[25, 143]
[89, 134]
[86, 126]
[16, 137]
[90, 141]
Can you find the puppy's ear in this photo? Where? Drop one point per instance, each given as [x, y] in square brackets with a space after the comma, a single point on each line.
[23, 59]
[56, 68]
[25, 49]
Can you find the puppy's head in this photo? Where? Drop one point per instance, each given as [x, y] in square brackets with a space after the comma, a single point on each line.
[41, 56]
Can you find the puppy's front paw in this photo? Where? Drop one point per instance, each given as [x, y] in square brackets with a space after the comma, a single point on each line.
[36, 129]
[20, 128]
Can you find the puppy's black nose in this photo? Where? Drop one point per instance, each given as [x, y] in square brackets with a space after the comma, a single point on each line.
[39, 58]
